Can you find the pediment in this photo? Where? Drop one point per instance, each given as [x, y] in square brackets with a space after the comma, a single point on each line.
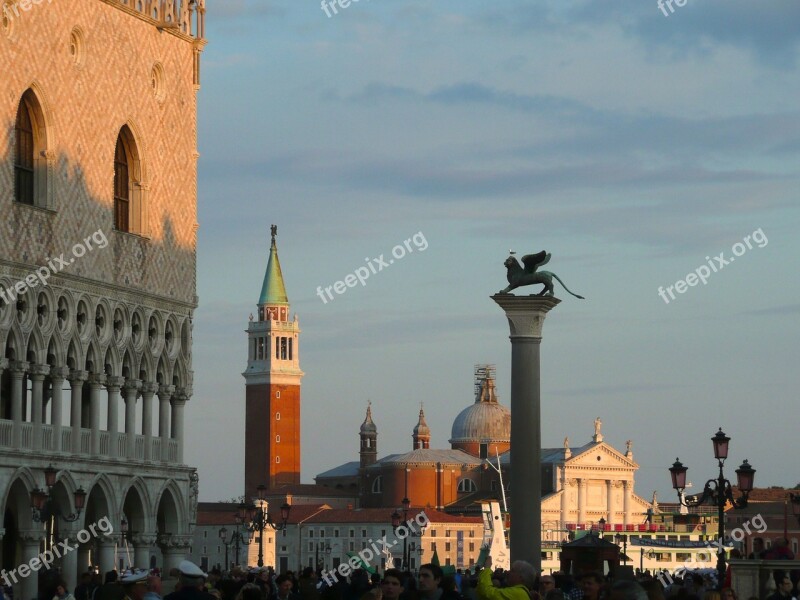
[599, 456]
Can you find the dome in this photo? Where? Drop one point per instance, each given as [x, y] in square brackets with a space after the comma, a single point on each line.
[482, 422]
[486, 420]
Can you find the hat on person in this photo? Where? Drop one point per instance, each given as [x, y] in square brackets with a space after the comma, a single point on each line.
[189, 569]
[132, 577]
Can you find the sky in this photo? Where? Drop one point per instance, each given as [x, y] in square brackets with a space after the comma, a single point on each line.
[635, 146]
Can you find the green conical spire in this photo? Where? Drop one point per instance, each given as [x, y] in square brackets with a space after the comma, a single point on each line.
[273, 291]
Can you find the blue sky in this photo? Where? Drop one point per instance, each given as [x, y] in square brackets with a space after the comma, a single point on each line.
[628, 144]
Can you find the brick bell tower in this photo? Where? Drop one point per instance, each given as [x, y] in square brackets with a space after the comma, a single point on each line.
[272, 384]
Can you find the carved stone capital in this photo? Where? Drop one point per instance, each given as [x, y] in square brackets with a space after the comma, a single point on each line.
[3, 364]
[173, 541]
[77, 375]
[38, 372]
[59, 373]
[32, 536]
[97, 379]
[525, 314]
[165, 392]
[131, 386]
[149, 387]
[18, 368]
[114, 383]
[144, 539]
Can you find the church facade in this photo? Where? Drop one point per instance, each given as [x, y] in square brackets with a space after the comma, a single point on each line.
[580, 485]
[97, 280]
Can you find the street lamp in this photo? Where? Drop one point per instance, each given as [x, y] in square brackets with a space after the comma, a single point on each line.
[396, 524]
[44, 506]
[716, 492]
[621, 538]
[225, 543]
[256, 519]
[601, 526]
[237, 538]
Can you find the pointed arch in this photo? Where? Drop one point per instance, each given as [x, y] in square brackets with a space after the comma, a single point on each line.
[163, 373]
[112, 365]
[75, 353]
[129, 205]
[33, 150]
[35, 348]
[146, 370]
[55, 351]
[13, 349]
[169, 509]
[136, 506]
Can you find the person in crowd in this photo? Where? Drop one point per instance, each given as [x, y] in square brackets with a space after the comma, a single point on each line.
[111, 588]
[520, 580]
[62, 593]
[591, 585]
[627, 590]
[83, 591]
[249, 591]
[307, 585]
[191, 583]
[285, 588]
[392, 584]
[153, 588]
[134, 585]
[758, 549]
[429, 578]
[784, 591]
[547, 583]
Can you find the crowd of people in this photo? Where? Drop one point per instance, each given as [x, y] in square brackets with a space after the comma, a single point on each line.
[520, 582]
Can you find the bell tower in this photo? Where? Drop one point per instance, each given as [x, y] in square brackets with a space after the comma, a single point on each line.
[272, 387]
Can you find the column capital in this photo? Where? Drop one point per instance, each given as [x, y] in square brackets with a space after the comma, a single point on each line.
[32, 536]
[172, 541]
[18, 367]
[525, 314]
[180, 395]
[114, 382]
[97, 379]
[144, 539]
[165, 391]
[76, 375]
[149, 387]
[3, 364]
[132, 385]
[59, 373]
[38, 372]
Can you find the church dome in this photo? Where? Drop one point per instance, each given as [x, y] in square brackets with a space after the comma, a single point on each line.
[486, 420]
[482, 422]
[368, 426]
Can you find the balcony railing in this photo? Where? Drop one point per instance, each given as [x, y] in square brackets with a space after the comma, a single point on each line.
[26, 443]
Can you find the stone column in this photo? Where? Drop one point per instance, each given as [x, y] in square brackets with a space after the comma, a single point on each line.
[83, 558]
[57, 377]
[565, 484]
[525, 316]
[107, 553]
[18, 369]
[174, 549]
[143, 545]
[29, 584]
[69, 560]
[96, 383]
[37, 373]
[178, 404]
[610, 501]
[131, 391]
[113, 385]
[164, 395]
[581, 501]
[626, 501]
[148, 389]
[76, 379]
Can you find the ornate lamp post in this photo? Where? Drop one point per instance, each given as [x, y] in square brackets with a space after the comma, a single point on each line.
[44, 505]
[227, 544]
[237, 538]
[256, 519]
[396, 524]
[621, 538]
[717, 492]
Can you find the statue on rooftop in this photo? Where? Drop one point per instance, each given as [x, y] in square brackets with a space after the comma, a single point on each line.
[519, 276]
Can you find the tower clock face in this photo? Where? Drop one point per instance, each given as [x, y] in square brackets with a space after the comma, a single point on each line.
[283, 314]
